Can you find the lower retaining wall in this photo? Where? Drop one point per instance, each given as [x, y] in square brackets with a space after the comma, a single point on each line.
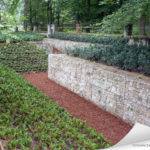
[124, 94]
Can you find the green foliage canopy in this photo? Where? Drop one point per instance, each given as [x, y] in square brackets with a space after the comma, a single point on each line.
[11, 14]
[130, 12]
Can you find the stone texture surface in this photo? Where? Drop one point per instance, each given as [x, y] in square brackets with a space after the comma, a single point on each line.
[124, 94]
[49, 44]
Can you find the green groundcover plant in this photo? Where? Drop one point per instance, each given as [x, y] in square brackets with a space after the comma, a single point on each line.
[110, 50]
[106, 40]
[20, 36]
[30, 120]
[23, 57]
[126, 57]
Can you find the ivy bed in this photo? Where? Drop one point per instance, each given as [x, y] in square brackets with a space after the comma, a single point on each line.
[28, 119]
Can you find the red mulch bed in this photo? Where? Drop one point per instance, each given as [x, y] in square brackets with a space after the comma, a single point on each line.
[113, 128]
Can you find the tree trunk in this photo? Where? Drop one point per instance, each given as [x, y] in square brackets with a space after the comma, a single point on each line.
[31, 22]
[58, 21]
[128, 30]
[35, 28]
[142, 26]
[78, 27]
[49, 18]
[16, 29]
[49, 12]
[88, 29]
[50, 30]
[25, 14]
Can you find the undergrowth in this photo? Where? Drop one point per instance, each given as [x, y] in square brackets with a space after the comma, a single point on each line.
[23, 57]
[20, 36]
[30, 120]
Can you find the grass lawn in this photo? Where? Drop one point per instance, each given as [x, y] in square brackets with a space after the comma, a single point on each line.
[30, 120]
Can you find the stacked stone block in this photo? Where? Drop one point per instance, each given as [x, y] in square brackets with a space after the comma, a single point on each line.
[124, 94]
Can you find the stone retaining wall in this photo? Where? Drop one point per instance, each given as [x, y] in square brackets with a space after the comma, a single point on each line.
[50, 44]
[121, 93]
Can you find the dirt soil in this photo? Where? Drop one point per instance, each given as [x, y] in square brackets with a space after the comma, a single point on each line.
[113, 128]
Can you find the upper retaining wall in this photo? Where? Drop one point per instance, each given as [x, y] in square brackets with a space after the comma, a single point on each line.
[58, 46]
[121, 93]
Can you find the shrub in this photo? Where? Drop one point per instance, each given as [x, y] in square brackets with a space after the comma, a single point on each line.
[106, 40]
[144, 60]
[3, 38]
[23, 57]
[133, 58]
[27, 116]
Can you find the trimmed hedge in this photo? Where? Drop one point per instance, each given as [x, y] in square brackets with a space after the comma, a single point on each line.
[126, 57]
[23, 57]
[111, 50]
[29, 120]
[21, 36]
[106, 40]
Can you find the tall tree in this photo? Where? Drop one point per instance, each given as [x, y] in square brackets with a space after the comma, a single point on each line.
[131, 12]
[10, 14]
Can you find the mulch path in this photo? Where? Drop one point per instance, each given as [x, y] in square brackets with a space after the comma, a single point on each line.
[113, 128]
